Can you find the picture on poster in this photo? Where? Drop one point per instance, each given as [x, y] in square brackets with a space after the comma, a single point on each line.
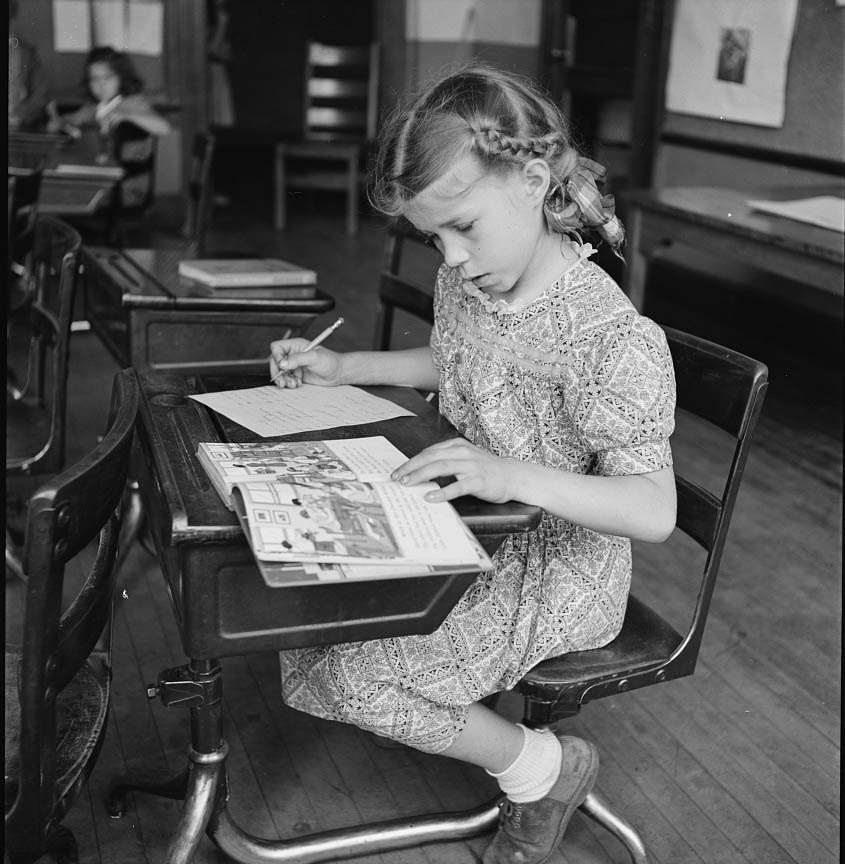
[729, 59]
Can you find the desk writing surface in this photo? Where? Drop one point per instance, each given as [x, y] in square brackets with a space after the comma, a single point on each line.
[150, 278]
[727, 209]
[221, 602]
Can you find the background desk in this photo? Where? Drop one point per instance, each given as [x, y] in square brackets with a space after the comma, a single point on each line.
[74, 180]
[150, 318]
[719, 222]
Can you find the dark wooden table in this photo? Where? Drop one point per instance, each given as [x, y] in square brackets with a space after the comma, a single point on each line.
[720, 222]
[223, 607]
[149, 317]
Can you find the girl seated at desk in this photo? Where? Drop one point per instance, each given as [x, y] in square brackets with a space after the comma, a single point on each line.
[565, 398]
[115, 100]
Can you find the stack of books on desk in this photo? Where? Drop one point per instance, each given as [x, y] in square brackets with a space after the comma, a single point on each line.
[251, 277]
[326, 511]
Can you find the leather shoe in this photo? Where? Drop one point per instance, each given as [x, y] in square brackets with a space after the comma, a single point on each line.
[530, 833]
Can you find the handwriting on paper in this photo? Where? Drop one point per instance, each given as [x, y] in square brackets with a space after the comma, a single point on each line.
[270, 411]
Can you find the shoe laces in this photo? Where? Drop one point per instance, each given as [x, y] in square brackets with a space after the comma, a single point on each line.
[511, 813]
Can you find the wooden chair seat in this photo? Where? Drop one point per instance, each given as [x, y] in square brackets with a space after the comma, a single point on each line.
[645, 640]
[81, 714]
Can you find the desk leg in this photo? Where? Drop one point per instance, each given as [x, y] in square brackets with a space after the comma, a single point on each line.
[205, 774]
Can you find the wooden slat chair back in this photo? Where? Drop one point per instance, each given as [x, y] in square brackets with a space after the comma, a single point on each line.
[726, 389]
[341, 92]
[35, 422]
[340, 105]
[57, 681]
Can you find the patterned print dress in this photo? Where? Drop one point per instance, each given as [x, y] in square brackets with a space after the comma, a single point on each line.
[577, 380]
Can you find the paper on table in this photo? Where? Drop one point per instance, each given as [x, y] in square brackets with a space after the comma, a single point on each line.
[826, 211]
[270, 411]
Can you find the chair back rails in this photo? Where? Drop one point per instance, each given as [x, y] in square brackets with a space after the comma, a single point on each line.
[57, 684]
[727, 389]
[35, 421]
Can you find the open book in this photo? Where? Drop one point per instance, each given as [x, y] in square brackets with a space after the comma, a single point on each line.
[328, 510]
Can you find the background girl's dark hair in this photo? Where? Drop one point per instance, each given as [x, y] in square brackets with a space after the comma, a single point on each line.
[120, 63]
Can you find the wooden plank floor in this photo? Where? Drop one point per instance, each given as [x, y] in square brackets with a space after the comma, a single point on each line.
[737, 765]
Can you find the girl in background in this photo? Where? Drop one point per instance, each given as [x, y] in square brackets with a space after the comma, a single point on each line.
[115, 100]
[114, 96]
[564, 397]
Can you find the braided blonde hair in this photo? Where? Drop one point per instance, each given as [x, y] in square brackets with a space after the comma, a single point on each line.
[504, 120]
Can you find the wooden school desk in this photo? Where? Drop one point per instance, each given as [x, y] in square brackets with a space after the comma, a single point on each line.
[150, 318]
[224, 608]
[718, 221]
[75, 181]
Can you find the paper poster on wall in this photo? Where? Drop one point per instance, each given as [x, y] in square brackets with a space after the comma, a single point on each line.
[145, 27]
[71, 25]
[729, 59]
[109, 23]
[136, 26]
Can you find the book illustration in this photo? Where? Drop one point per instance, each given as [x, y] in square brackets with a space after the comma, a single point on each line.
[324, 511]
[372, 458]
[333, 520]
[246, 272]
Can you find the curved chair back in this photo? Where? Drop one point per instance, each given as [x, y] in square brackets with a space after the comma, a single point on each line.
[726, 389]
[35, 422]
[24, 189]
[57, 685]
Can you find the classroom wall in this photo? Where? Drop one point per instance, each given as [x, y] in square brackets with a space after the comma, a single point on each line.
[813, 123]
[441, 34]
[64, 70]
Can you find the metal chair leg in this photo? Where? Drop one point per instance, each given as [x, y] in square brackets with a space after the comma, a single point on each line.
[597, 808]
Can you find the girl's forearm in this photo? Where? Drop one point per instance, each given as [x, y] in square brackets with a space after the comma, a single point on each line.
[639, 506]
[413, 367]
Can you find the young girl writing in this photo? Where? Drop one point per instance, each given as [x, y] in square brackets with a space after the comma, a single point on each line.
[115, 98]
[563, 396]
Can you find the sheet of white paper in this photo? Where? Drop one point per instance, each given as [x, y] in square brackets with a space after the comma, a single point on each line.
[271, 410]
[71, 25]
[145, 27]
[109, 23]
[826, 211]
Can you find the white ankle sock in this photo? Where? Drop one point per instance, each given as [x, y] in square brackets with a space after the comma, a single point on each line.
[532, 774]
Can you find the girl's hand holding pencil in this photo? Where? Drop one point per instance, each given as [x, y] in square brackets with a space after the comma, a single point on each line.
[294, 362]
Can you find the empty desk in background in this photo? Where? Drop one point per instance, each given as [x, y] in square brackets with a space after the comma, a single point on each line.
[149, 317]
[720, 222]
[224, 608]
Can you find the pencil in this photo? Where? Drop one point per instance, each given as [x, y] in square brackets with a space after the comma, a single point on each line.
[317, 340]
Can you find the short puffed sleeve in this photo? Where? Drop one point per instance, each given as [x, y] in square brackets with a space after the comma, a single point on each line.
[624, 403]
